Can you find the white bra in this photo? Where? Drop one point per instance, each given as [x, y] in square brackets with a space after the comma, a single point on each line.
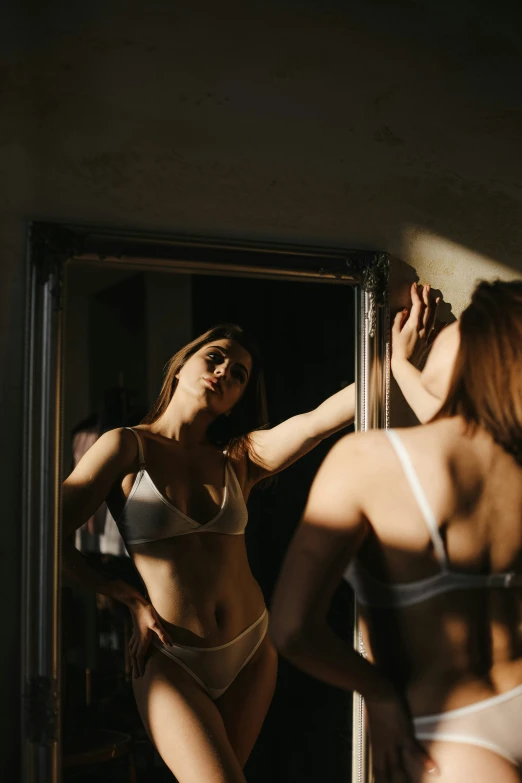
[373, 592]
[149, 516]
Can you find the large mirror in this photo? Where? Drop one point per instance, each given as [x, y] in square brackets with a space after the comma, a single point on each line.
[106, 311]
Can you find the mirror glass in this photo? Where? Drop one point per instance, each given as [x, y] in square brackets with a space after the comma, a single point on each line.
[121, 327]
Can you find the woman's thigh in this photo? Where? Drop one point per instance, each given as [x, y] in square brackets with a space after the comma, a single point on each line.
[461, 763]
[184, 724]
[245, 703]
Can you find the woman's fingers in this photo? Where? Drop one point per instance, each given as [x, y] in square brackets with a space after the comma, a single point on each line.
[427, 307]
[140, 656]
[420, 315]
[431, 314]
[137, 648]
[430, 765]
[402, 763]
[414, 291]
[132, 658]
[428, 316]
[435, 326]
[157, 628]
[427, 312]
[133, 645]
[399, 321]
[415, 320]
[418, 760]
[161, 633]
[416, 302]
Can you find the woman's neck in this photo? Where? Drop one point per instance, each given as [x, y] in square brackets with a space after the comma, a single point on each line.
[185, 422]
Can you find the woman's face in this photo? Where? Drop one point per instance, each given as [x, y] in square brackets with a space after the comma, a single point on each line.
[437, 372]
[217, 374]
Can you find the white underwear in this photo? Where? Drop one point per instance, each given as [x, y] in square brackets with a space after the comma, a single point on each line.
[216, 668]
[494, 724]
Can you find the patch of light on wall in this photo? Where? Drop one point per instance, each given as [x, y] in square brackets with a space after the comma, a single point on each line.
[449, 266]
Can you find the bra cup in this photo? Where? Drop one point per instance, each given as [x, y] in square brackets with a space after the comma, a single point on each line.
[149, 516]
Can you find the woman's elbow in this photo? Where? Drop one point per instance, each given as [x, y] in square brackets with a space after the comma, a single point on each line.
[288, 637]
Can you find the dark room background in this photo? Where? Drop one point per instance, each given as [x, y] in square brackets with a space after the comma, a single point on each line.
[121, 328]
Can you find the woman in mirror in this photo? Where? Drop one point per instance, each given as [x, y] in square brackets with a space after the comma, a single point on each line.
[426, 524]
[177, 484]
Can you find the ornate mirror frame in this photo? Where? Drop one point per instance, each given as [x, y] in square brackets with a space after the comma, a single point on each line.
[51, 248]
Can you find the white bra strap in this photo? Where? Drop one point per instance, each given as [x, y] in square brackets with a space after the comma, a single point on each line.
[140, 447]
[420, 496]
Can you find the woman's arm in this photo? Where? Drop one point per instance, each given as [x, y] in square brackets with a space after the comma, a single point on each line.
[333, 527]
[424, 404]
[83, 492]
[111, 457]
[412, 336]
[331, 531]
[270, 451]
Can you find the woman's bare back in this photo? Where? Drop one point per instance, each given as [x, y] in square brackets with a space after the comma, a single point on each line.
[464, 645]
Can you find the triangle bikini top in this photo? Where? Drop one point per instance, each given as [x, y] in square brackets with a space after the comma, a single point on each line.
[373, 592]
[148, 516]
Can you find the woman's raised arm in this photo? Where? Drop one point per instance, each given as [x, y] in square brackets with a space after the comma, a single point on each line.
[274, 449]
[413, 333]
[270, 451]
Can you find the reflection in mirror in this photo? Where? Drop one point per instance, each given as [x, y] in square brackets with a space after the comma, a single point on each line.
[121, 329]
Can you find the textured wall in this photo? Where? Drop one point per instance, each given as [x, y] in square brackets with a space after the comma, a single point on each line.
[394, 125]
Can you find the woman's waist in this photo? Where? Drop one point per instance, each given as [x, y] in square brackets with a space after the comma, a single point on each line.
[207, 613]
[444, 661]
[445, 688]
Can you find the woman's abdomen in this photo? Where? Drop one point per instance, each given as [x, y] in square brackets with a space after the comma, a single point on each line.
[201, 586]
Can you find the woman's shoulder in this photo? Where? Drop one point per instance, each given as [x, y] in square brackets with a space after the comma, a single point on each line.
[365, 443]
[439, 438]
[120, 444]
[375, 447]
[359, 454]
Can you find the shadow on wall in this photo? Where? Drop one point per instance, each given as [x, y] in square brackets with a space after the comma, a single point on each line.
[449, 266]
[402, 275]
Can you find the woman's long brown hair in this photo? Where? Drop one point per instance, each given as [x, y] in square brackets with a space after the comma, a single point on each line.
[249, 413]
[486, 385]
